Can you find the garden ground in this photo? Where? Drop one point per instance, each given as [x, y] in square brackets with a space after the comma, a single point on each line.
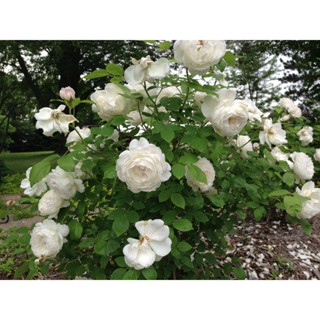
[268, 250]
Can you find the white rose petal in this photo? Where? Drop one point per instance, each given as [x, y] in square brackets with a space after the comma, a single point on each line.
[47, 238]
[305, 135]
[37, 189]
[272, 133]
[199, 55]
[51, 203]
[146, 70]
[168, 92]
[227, 115]
[154, 243]
[310, 207]
[143, 166]
[110, 103]
[303, 167]
[316, 155]
[53, 120]
[244, 144]
[207, 168]
[138, 254]
[77, 135]
[66, 184]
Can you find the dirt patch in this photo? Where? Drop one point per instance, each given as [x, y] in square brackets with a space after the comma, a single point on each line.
[276, 250]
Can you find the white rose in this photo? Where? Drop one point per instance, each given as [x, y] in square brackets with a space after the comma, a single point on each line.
[244, 144]
[66, 184]
[302, 166]
[199, 98]
[199, 55]
[254, 113]
[279, 155]
[37, 189]
[289, 105]
[168, 92]
[227, 115]
[286, 103]
[110, 103]
[316, 155]
[207, 168]
[51, 203]
[67, 93]
[272, 133]
[143, 166]
[256, 146]
[78, 134]
[153, 244]
[309, 207]
[146, 70]
[305, 135]
[139, 88]
[47, 238]
[285, 118]
[295, 112]
[53, 120]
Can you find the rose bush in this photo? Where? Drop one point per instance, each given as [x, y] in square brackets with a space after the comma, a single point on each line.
[151, 191]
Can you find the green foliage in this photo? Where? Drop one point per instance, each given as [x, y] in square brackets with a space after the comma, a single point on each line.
[102, 218]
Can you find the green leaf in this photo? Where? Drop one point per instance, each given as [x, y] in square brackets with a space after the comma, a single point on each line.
[201, 217]
[288, 178]
[182, 225]
[131, 274]
[118, 120]
[118, 274]
[196, 173]
[217, 200]
[100, 248]
[75, 102]
[112, 246]
[150, 273]
[120, 225]
[41, 169]
[167, 134]
[171, 104]
[279, 193]
[165, 45]
[21, 270]
[120, 262]
[169, 216]
[67, 163]
[306, 227]
[184, 246]
[178, 170]
[259, 213]
[76, 229]
[114, 69]
[110, 172]
[188, 159]
[239, 273]
[230, 58]
[86, 243]
[178, 200]
[106, 131]
[97, 74]
[199, 143]
[293, 205]
[164, 195]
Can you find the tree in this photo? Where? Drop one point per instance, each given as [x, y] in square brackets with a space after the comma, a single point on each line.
[255, 75]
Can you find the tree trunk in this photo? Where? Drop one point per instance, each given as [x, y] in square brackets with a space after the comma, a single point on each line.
[31, 83]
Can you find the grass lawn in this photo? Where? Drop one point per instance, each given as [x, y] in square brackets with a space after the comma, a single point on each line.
[19, 162]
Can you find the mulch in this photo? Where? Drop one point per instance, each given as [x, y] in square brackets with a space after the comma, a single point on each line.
[276, 250]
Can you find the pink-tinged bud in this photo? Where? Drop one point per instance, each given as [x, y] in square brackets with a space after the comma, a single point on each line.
[67, 93]
[285, 118]
[317, 155]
